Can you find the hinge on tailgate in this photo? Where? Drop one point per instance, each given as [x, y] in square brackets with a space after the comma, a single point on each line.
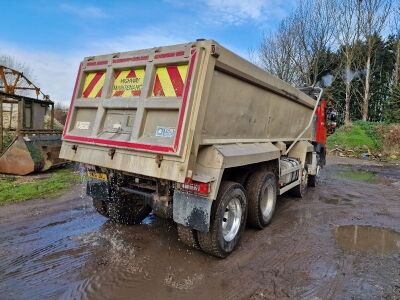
[111, 152]
[159, 158]
[214, 51]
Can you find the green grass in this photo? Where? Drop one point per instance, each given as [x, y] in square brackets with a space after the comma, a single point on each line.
[359, 135]
[363, 176]
[14, 189]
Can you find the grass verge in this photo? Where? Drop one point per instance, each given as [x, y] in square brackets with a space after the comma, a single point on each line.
[13, 189]
[357, 135]
[378, 140]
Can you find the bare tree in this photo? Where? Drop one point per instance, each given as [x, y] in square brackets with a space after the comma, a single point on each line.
[296, 52]
[314, 26]
[374, 16]
[277, 53]
[10, 62]
[347, 34]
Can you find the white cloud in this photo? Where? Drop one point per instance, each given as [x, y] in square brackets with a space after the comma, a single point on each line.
[83, 11]
[239, 11]
[148, 38]
[55, 72]
[237, 8]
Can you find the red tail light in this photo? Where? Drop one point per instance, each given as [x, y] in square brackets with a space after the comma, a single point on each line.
[195, 187]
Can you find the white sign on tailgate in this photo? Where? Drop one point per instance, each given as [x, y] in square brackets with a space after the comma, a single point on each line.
[82, 125]
[166, 132]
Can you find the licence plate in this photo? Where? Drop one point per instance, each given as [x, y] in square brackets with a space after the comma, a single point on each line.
[97, 175]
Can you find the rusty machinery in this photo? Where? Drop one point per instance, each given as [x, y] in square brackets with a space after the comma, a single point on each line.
[27, 142]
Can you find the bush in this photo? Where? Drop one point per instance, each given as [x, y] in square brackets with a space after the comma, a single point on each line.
[391, 139]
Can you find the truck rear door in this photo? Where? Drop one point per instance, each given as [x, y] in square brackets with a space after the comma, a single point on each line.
[134, 100]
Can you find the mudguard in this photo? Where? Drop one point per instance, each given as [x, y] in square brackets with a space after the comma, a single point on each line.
[192, 211]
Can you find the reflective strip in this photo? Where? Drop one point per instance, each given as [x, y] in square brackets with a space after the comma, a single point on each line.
[169, 81]
[128, 83]
[93, 86]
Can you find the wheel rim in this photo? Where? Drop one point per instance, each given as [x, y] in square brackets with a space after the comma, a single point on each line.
[232, 219]
[318, 174]
[304, 180]
[267, 201]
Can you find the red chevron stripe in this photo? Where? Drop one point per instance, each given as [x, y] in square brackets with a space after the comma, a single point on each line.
[99, 93]
[176, 80]
[116, 74]
[118, 93]
[92, 84]
[131, 74]
[136, 93]
[158, 90]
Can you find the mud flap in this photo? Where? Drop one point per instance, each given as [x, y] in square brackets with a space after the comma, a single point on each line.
[192, 211]
[97, 189]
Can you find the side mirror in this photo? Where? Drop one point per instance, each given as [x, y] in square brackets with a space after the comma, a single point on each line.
[331, 116]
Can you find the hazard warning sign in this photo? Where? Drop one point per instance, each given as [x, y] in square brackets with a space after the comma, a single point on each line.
[93, 85]
[128, 83]
[169, 81]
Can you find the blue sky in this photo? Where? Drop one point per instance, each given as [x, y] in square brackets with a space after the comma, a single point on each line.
[52, 37]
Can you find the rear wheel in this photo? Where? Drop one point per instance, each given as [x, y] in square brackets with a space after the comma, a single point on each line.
[261, 192]
[301, 189]
[188, 236]
[313, 180]
[128, 209]
[100, 206]
[228, 219]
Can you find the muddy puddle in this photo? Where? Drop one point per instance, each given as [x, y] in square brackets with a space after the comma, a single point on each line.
[336, 201]
[368, 239]
[363, 176]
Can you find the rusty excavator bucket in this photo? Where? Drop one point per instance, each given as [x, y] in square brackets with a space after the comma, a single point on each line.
[28, 141]
[26, 155]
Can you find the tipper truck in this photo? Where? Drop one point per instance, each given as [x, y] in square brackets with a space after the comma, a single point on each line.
[195, 133]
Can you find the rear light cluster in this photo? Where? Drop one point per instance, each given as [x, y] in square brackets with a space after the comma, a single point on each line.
[194, 187]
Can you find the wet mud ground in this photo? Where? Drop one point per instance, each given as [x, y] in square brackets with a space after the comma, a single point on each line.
[341, 242]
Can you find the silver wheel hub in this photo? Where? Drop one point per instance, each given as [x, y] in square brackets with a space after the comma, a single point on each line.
[318, 171]
[304, 179]
[232, 219]
[267, 201]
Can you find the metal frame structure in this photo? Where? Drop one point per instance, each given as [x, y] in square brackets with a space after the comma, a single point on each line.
[31, 146]
[21, 127]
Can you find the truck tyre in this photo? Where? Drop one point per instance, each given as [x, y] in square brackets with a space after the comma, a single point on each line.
[188, 236]
[128, 210]
[100, 206]
[228, 220]
[313, 180]
[261, 190]
[301, 189]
